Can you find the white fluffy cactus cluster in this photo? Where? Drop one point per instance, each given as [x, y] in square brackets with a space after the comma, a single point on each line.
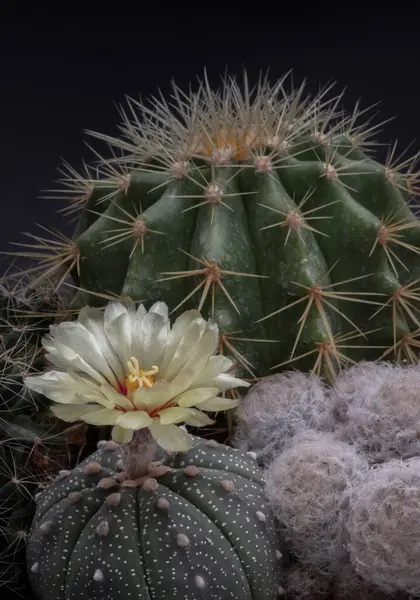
[343, 477]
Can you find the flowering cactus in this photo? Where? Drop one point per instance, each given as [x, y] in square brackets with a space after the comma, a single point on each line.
[193, 524]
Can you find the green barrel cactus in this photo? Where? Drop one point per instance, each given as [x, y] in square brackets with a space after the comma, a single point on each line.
[196, 526]
[262, 207]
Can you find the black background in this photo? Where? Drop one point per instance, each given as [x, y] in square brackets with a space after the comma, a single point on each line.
[63, 67]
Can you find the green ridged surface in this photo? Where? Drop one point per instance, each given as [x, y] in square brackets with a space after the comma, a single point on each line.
[207, 542]
[355, 200]
[281, 193]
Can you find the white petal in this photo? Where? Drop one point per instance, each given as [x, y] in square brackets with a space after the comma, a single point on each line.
[218, 403]
[55, 385]
[121, 435]
[183, 324]
[68, 388]
[62, 356]
[198, 419]
[113, 396]
[92, 319]
[84, 344]
[196, 396]
[105, 416]
[227, 382]
[74, 347]
[160, 308]
[153, 397]
[215, 365]
[171, 438]
[48, 380]
[74, 412]
[193, 351]
[149, 340]
[158, 395]
[140, 312]
[137, 419]
[174, 414]
[119, 330]
[67, 397]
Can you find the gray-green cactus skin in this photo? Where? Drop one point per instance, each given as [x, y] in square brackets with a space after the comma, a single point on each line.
[197, 527]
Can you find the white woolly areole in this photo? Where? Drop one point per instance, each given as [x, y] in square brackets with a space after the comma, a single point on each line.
[303, 583]
[308, 486]
[275, 410]
[377, 408]
[384, 527]
[348, 585]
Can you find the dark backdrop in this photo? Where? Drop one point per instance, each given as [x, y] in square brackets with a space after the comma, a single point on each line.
[63, 67]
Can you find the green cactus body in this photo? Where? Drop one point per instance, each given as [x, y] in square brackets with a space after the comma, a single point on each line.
[266, 212]
[197, 527]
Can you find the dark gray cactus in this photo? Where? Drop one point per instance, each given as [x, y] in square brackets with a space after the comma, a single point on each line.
[196, 527]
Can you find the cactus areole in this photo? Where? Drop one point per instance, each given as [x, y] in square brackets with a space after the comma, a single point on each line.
[193, 525]
[264, 209]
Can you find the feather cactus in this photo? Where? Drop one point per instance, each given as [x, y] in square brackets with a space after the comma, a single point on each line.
[262, 207]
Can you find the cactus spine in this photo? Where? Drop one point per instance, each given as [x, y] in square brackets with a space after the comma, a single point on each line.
[32, 442]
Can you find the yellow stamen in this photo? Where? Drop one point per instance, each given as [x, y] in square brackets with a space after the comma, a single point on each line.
[137, 377]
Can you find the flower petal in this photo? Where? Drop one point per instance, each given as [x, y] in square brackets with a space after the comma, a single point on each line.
[56, 385]
[73, 412]
[105, 416]
[193, 359]
[178, 330]
[198, 419]
[118, 328]
[218, 403]
[121, 435]
[149, 341]
[73, 346]
[159, 394]
[173, 414]
[92, 318]
[171, 437]
[196, 396]
[154, 397]
[134, 420]
[215, 365]
[150, 332]
[115, 397]
[227, 382]
[185, 334]
[70, 388]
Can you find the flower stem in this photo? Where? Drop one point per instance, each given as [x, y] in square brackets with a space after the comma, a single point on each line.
[138, 454]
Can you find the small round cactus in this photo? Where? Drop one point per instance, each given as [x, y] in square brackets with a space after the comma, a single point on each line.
[196, 525]
[275, 410]
[375, 406]
[302, 583]
[348, 585]
[384, 527]
[308, 486]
